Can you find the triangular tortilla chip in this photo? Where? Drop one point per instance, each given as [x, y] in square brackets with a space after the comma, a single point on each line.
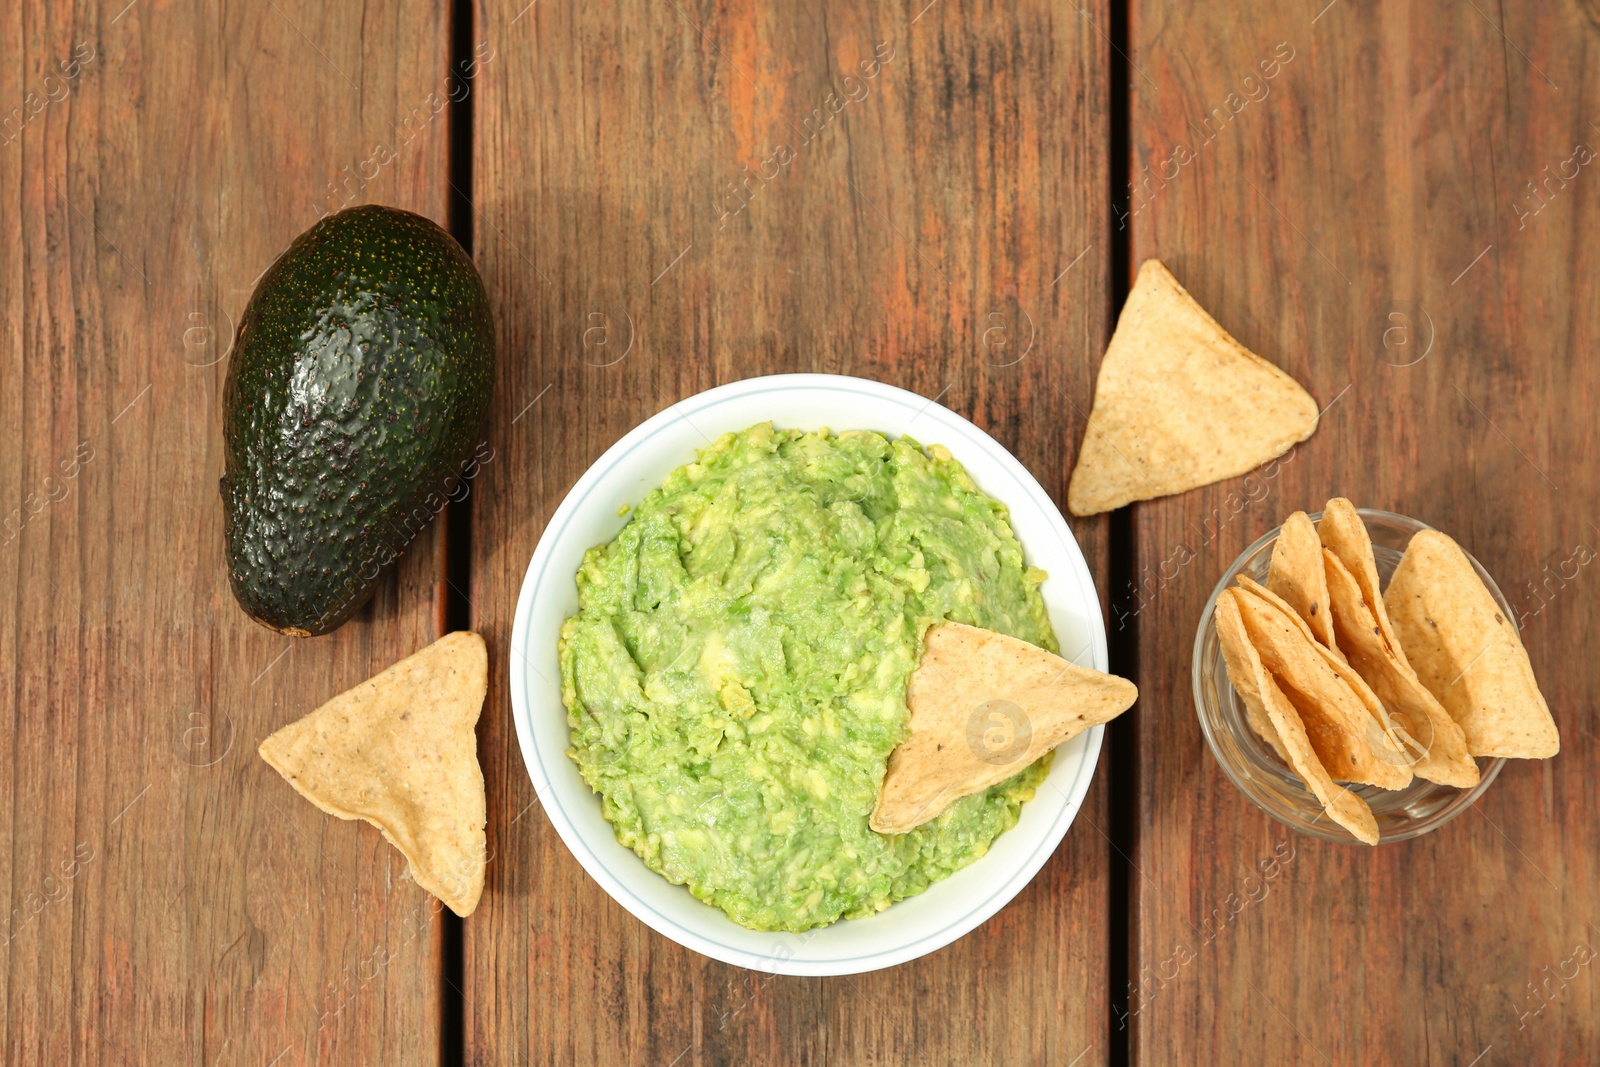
[1345, 535]
[399, 751]
[1437, 756]
[1349, 742]
[1179, 403]
[1241, 659]
[983, 707]
[1262, 697]
[1467, 653]
[1296, 575]
[1385, 742]
[1441, 754]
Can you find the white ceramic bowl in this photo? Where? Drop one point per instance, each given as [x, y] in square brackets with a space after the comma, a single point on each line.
[588, 516]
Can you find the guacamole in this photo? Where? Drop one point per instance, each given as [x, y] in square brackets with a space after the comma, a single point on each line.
[735, 677]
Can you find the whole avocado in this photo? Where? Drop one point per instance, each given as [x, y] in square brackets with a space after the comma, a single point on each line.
[358, 382]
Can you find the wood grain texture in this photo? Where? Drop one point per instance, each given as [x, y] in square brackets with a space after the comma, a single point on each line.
[169, 898]
[1394, 217]
[1366, 225]
[636, 256]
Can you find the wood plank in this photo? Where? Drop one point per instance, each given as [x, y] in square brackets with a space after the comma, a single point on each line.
[170, 899]
[948, 204]
[1360, 221]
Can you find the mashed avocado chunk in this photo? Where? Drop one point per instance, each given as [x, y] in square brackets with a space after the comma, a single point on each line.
[735, 677]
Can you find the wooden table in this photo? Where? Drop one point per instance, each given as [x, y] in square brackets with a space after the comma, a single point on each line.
[1386, 200]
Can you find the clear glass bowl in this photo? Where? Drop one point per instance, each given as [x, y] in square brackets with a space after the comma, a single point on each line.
[1252, 765]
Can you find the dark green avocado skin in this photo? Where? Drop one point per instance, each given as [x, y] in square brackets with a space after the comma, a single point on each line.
[358, 382]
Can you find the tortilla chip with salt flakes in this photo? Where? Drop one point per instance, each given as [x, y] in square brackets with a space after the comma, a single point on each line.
[399, 751]
[1179, 403]
[1386, 743]
[1441, 754]
[983, 707]
[1348, 742]
[1467, 653]
[1297, 576]
[1263, 697]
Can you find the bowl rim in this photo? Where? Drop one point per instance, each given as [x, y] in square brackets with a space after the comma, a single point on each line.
[1332, 832]
[1087, 604]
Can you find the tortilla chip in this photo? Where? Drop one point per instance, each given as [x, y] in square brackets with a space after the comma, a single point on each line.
[1466, 653]
[1429, 737]
[1241, 660]
[1179, 403]
[1296, 575]
[1441, 748]
[1345, 535]
[1386, 743]
[399, 751]
[1341, 805]
[983, 707]
[1340, 725]
[1262, 697]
